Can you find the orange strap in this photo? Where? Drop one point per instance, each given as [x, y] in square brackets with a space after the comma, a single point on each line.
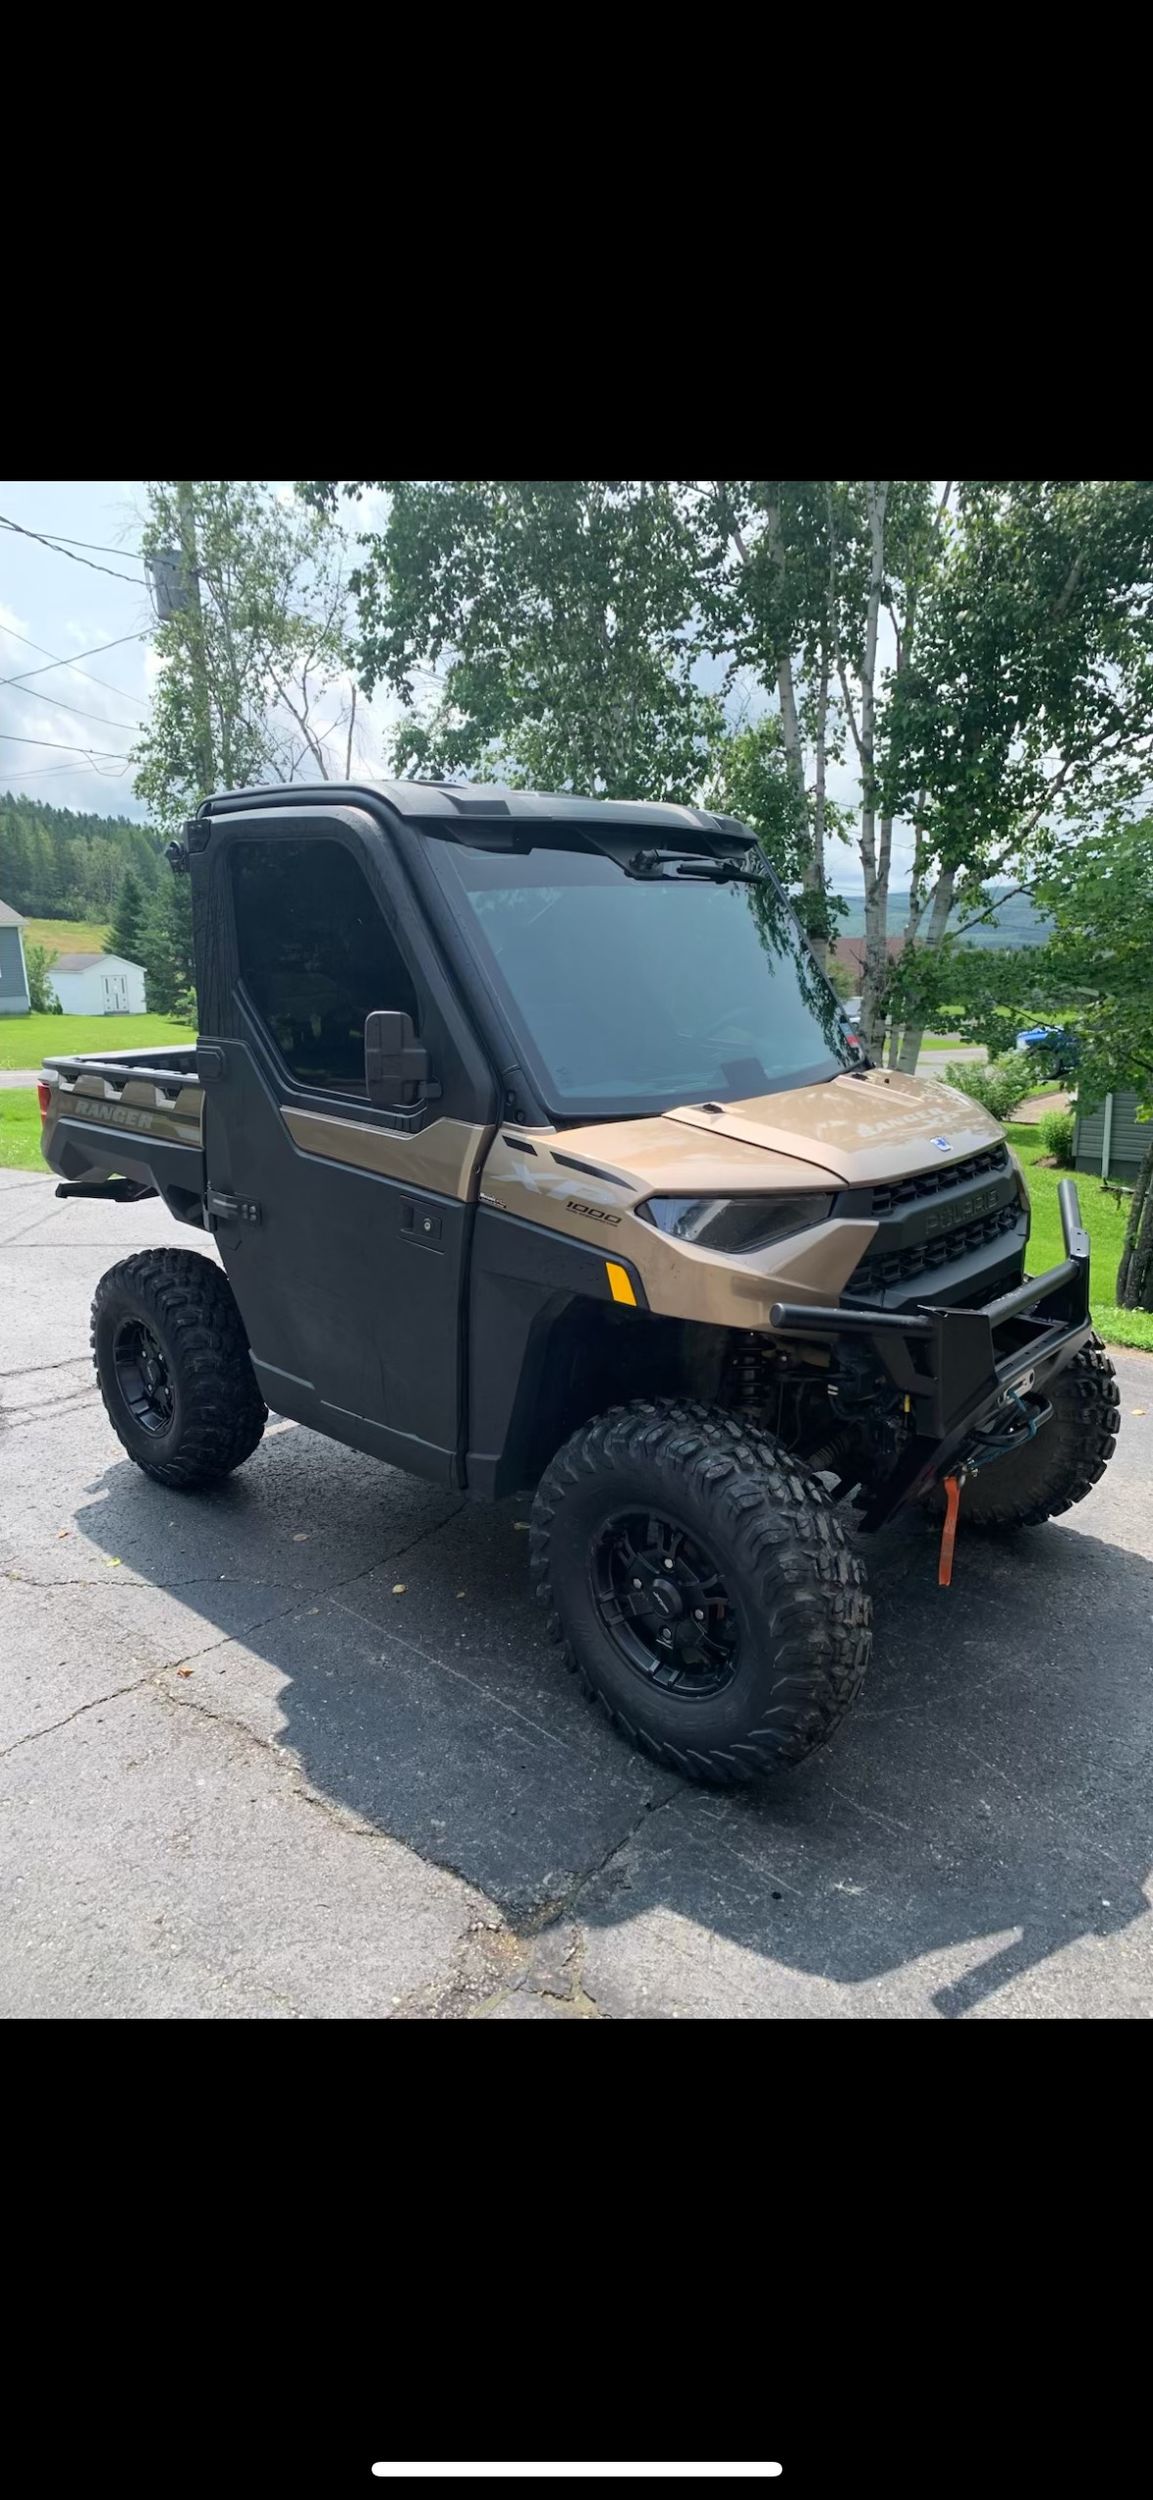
[949, 1531]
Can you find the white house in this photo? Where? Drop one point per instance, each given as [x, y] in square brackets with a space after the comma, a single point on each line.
[98, 985]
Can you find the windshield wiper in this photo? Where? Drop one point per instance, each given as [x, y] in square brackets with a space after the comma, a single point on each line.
[658, 866]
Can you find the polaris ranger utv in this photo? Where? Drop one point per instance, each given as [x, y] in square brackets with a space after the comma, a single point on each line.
[540, 1159]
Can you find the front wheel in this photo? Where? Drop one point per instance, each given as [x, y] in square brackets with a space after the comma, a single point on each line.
[1066, 1457]
[703, 1589]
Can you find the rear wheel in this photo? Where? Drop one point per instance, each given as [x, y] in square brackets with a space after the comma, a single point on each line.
[702, 1587]
[174, 1369]
[1064, 1459]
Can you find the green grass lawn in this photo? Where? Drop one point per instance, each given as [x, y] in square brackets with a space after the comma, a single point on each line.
[1104, 1222]
[20, 1133]
[24, 1039]
[67, 937]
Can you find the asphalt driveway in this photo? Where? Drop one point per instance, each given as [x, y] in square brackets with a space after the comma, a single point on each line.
[297, 1747]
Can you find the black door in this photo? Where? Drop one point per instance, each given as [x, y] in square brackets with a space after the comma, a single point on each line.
[348, 1248]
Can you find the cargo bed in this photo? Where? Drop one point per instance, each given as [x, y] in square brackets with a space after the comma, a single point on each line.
[127, 1124]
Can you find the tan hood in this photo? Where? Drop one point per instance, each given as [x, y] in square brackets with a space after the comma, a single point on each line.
[852, 1132]
[865, 1129]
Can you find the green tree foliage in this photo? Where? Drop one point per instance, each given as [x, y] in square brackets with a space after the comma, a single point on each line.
[250, 687]
[750, 777]
[38, 962]
[982, 658]
[1031, 687]
[124, 934]
[57, 863]
[537, 631]
[1094, 974]
[1026, 706]
[777, 561]
[1100, 894]
[164, 947]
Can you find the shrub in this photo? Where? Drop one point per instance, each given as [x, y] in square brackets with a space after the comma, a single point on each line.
[999, 1086]
[1055, 1130]
[38, 962]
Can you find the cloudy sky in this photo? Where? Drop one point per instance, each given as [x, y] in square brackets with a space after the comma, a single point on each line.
[66, 732]
[76, 661]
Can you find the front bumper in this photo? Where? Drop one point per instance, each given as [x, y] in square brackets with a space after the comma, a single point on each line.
[953, 1373]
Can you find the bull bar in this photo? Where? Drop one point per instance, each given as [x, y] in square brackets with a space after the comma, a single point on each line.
[945, 1360]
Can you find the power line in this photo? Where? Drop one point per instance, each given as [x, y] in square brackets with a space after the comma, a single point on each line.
[27, 673]
[43, 772]
[55, 748]
[41, 541]
[52, 772]
[58, 539]
[56, 703]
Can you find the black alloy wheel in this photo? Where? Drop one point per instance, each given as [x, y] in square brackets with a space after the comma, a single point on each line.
[664, 1605]
[174, 1368]
[702, 1587]
[142, 1376]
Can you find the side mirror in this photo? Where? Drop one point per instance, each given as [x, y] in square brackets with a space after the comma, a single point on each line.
[395, 1063]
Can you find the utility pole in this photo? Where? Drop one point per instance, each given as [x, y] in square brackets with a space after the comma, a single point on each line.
[189, 605]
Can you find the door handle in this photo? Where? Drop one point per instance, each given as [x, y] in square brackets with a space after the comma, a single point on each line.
[222, 1207]
[421, 1224]
[211, 1063]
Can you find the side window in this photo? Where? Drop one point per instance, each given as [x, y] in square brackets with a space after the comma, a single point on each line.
[316, 956]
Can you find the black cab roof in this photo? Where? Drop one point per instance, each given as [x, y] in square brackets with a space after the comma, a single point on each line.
[466, 811]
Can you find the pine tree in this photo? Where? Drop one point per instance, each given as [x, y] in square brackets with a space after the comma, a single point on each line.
[63, 865]
[124, 934]
[164, 947]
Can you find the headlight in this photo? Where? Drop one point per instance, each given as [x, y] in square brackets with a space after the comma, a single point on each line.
[735, 1224]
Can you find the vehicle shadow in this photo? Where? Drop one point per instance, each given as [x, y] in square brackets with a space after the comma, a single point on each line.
[984, 1807]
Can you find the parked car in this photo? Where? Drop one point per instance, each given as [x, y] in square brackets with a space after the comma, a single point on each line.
[1053, 1046]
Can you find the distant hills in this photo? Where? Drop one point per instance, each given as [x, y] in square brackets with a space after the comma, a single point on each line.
[57, 863]
[1016, 922]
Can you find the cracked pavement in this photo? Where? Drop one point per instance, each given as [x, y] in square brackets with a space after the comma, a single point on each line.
[298, 1747]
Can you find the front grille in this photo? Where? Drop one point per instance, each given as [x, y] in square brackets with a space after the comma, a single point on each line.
[895, 1267]
[906, 1193]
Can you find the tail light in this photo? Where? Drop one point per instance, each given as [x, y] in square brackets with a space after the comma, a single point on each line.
[43, 1095]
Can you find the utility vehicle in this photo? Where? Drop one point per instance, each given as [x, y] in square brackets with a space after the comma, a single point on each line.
[1055, 1049]
[540, 1160]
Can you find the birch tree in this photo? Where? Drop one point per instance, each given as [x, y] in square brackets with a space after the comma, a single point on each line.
[768, 593]
[537, 631]
[856, 658]
[885, 538]
[979, 655]
[1023, 713]
[254, 678]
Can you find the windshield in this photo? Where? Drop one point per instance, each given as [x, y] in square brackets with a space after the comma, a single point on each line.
[631, 994]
